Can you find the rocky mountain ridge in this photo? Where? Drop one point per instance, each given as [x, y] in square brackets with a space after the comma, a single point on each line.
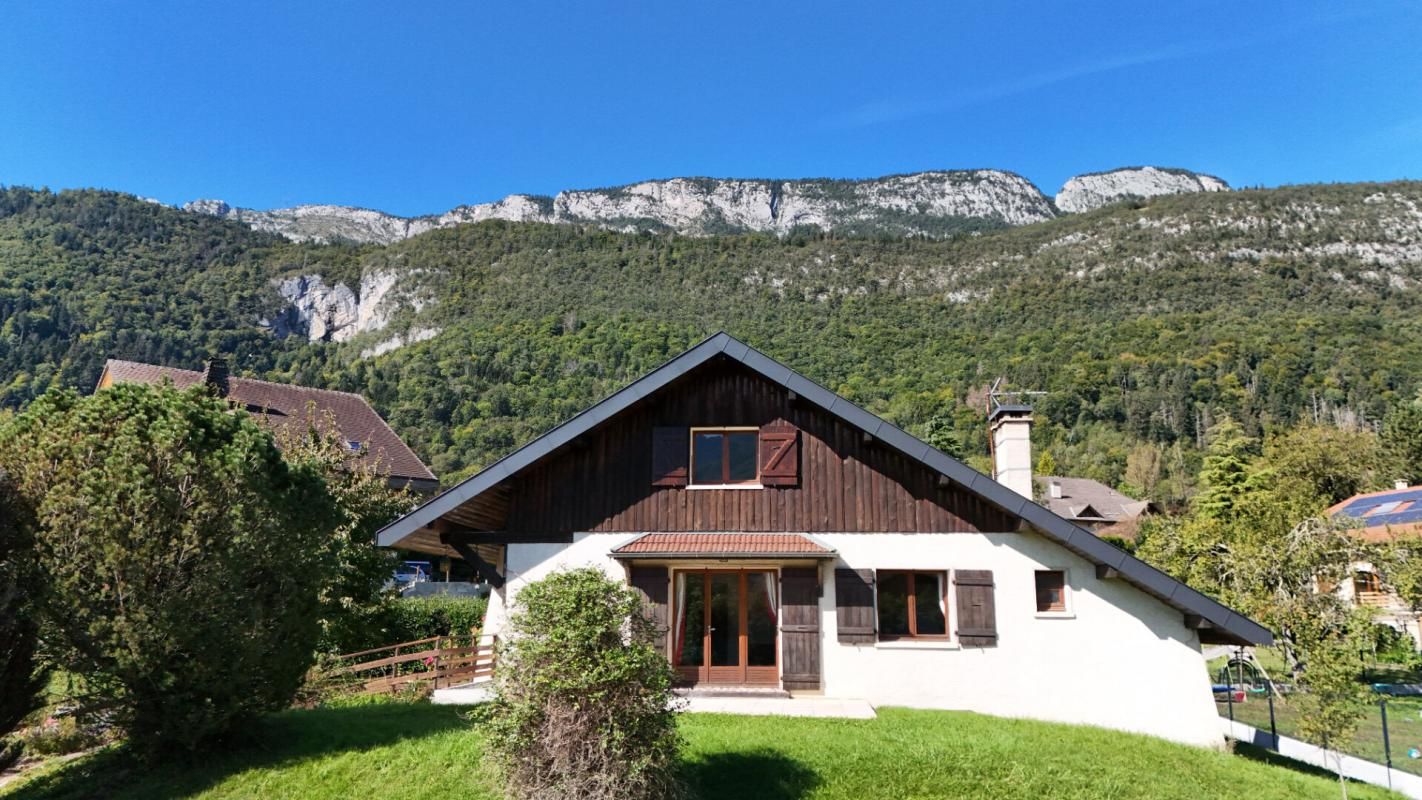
[1096, 189]
[929, 204]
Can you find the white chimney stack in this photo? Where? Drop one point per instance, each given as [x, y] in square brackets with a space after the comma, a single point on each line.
[1011, 427]
[1056, 490]
[1399, 484]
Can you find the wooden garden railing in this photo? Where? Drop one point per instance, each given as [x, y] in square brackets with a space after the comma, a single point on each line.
[439, 660]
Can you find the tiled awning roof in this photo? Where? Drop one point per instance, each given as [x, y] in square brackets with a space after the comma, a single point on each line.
[722, 545]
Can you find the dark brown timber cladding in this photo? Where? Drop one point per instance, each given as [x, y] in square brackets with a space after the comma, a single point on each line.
[604, 481]
[800, 627]
[651, 583]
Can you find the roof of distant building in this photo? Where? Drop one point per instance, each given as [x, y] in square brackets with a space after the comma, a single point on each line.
[1383, 515]
[281, 406]
[1086, 500]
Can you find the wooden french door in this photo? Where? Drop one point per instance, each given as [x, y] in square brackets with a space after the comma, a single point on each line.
[725, 626]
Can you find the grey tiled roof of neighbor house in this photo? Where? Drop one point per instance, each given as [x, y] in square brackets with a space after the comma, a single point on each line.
[1081, 496]
[1223, 621]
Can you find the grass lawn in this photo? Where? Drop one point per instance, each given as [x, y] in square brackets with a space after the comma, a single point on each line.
[422, 751]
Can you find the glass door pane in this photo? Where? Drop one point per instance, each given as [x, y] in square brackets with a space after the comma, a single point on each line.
[725, 619]
[761, 609]
[690, 619]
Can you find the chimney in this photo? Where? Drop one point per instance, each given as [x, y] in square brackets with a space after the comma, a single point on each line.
[1056, 490]
[1399, 484]
[1011, 427]
[214, 376]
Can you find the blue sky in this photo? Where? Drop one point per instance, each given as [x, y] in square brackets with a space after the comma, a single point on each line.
[415, 108]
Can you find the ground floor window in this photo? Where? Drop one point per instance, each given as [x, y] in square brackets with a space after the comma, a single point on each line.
[912, 604]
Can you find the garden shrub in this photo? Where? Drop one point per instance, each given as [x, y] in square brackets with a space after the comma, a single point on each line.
[411, 618]
[582, 704]
[183, 557]
[20, 680]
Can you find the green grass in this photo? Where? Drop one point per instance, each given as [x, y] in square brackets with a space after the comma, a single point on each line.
[421, 751]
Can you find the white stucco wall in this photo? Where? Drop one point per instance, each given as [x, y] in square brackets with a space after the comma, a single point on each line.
[1120, 659]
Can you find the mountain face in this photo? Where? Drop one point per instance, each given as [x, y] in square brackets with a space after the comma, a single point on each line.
[1094, 190]
[1143, 322]
[920, 204]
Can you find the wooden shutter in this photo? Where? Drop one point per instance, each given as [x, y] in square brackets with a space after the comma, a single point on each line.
[671, 456]
[779, 454]
[977, 612]
[651, 583]
[800, 627]
[854, 605]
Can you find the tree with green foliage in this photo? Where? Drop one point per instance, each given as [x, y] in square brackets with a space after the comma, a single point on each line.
[355, 603]
[1225, 475]
[183, 558]
[20, 676]
[1402, 440]
[583, 703]
[1333, 463]
[1335, 698]
[942, 433]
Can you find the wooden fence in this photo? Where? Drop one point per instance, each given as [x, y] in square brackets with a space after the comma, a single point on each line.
[440, 660]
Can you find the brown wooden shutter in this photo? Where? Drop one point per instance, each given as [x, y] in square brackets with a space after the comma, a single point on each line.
[800, 627]
[854, 605]
[651, 583]
[779, 454]
[977, 612]
[671, 456]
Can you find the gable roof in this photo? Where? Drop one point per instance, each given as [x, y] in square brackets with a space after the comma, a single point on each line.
[281, 406]
[1226, 624]
[1089, 500]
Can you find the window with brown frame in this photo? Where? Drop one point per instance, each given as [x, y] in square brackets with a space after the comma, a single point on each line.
[1051, 591]
[1365, 582]
[912, 604]
[721, 456]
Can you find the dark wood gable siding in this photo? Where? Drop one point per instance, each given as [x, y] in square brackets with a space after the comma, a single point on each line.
[605, 481]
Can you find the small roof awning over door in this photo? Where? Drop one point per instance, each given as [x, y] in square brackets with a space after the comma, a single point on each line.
[723, 545]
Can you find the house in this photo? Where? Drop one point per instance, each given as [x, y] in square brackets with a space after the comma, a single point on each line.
[1093, 505]
[1382, 517]
[785, 538]
[283, 407]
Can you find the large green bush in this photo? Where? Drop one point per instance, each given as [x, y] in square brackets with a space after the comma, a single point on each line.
[20, 681]
[583, 705]
[184, 558]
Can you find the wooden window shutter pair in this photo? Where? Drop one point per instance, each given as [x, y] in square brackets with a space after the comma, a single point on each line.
[977, 611]
[779, 455]
[854, 605]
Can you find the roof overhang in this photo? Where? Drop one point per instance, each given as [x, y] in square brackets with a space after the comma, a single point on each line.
[1216, 623]
[719, 546]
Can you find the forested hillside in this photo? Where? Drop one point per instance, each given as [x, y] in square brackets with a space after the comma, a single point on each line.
[1144, 322]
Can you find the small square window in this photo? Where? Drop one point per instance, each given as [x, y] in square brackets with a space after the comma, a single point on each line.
[1051, 591]
[724, 456]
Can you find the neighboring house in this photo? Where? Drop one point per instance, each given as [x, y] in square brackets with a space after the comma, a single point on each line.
[1093, 505]
[1381, 517]
[283, 407]
[786, 538]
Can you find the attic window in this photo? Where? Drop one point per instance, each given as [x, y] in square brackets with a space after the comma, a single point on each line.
[724, 456]
[353, 445]
[1051, 591]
